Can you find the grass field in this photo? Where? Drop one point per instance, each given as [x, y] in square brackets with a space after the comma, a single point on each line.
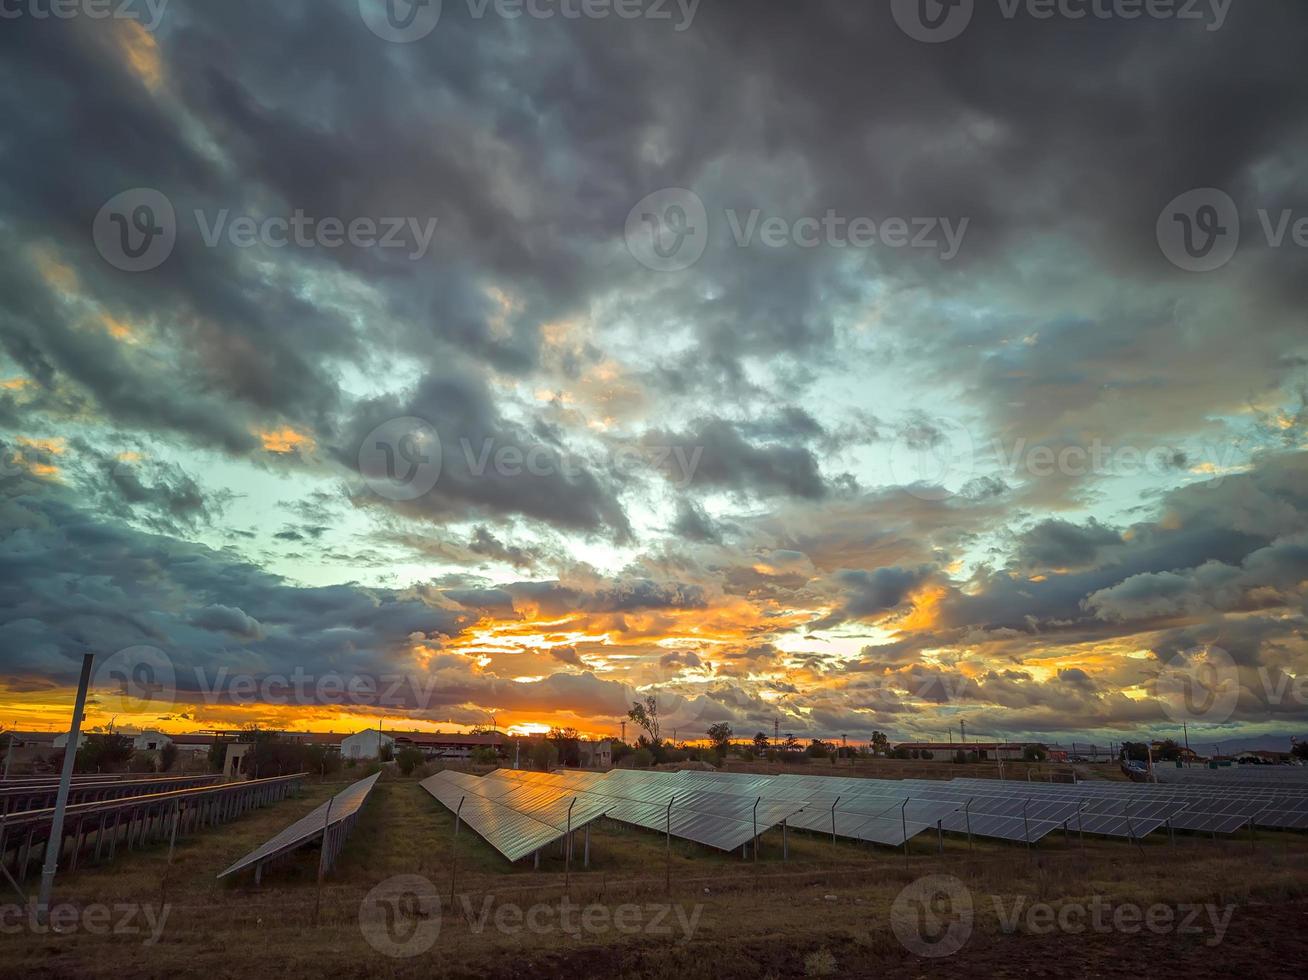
[824, 911]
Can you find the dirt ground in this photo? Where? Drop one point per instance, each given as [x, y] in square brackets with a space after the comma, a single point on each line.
[828, 910]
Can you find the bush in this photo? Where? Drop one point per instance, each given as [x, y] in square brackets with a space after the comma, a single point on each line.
[408, 759]
[642, 758]
[485, 756]
[322, 759]
[105, 753]
[142, 764]
[218, 754]
[167, 757]
[543, 755]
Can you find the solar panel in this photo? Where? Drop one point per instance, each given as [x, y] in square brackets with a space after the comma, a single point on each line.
[516, 813]
[515, 835]
[1215, 823]
[340, 809]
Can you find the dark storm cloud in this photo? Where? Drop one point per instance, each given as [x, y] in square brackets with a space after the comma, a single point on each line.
[869, 594]
[693, 524]
[726, 460]
[1060, 544]
[543, 479]
[1058, 321]
[201, 608]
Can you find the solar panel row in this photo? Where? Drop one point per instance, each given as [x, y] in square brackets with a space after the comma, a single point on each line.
[330, 821]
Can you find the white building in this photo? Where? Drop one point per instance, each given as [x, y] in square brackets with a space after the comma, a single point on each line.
[150, 740]
[61, 740]
[366, 744]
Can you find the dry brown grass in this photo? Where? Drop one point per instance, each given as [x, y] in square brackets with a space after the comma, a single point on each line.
[757, 917]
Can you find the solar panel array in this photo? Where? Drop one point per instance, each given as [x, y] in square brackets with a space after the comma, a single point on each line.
[134, 820]
[520, 811]
[330, 820]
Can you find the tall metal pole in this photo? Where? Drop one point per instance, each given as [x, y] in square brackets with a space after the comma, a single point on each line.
[54, 844]
[9, 756]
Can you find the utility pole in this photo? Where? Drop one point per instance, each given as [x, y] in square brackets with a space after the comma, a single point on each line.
[624, 732]
[55, 843]
[1186, 732]
[962, 729]
[776, 729]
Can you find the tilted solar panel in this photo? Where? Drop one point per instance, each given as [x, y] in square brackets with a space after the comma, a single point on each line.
[341, 807]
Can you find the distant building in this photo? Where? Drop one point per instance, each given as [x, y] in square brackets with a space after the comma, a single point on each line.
[150, 740]
[596, 755]
[29, 740]
[437, 745]
[193, 745]
[1262, 757]
[366, 744]
[945, 751]
[61, 740]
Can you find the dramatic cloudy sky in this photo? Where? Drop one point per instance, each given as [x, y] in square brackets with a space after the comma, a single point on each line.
[900, 401]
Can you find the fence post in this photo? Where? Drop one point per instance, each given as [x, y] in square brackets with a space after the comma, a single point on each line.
[567, 856]
[668, 856]
[454, 853]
